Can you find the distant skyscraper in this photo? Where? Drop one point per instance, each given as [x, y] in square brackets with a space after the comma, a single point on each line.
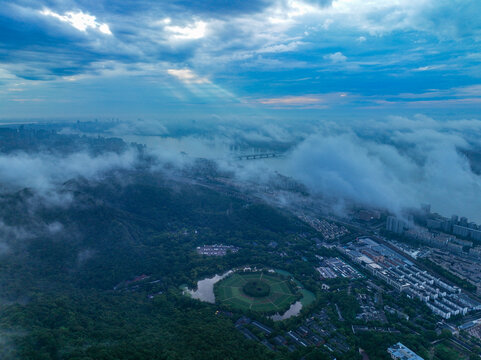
[395, 225]
[433, 224]
[447, 226]
[426, 208]
[460, 230]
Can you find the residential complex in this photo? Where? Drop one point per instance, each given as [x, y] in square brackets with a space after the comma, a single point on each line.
[329, 230]
[398, 271]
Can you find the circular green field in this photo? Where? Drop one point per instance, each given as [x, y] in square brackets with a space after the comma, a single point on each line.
[257, 291]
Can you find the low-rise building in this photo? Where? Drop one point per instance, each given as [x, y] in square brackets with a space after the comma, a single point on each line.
[393, 268]
[216, 250]
[401, 352]
[264, 328]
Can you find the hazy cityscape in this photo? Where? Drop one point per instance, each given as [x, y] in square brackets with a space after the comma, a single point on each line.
[240, 180]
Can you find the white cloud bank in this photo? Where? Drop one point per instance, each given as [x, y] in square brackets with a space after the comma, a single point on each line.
[46, 173]
[194, 31]
[394, 164]
[79, 20]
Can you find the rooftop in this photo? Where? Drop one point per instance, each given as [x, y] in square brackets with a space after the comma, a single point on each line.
[401, 352]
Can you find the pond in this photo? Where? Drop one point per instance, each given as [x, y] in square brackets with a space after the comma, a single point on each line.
[205, 292]
[294, 310]
[307, 298]
[205, 288]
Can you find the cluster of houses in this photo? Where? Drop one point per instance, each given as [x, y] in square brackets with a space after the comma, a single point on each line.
[216, 250]
[315, 331]
[329, 231]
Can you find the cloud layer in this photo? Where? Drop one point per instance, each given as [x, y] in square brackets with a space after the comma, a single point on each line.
[46, 173]
[394, 164]
[384, 54]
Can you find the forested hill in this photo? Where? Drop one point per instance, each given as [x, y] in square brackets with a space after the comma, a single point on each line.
[125, 224]
[60, 265]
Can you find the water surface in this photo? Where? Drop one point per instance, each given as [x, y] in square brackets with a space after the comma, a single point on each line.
[294, 310]
[205, 288]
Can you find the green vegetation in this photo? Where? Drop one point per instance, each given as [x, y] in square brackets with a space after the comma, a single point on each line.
[57, 299]
[73, 294]
[76, 295]
[256, 288]
[99, 326]
[256, 291]
[445, 353]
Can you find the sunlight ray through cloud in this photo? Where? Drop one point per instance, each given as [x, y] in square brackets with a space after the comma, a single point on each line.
[150, 148]
[187, 76]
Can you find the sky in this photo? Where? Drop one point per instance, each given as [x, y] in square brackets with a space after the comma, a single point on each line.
[287, 59]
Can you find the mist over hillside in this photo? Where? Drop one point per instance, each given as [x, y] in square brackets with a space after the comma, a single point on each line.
[393, 164]
[241, 180]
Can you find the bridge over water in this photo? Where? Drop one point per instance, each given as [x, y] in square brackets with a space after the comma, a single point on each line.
[259, 156]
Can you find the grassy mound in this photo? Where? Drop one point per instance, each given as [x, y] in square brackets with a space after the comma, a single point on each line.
[256, 288]
[256, 291]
